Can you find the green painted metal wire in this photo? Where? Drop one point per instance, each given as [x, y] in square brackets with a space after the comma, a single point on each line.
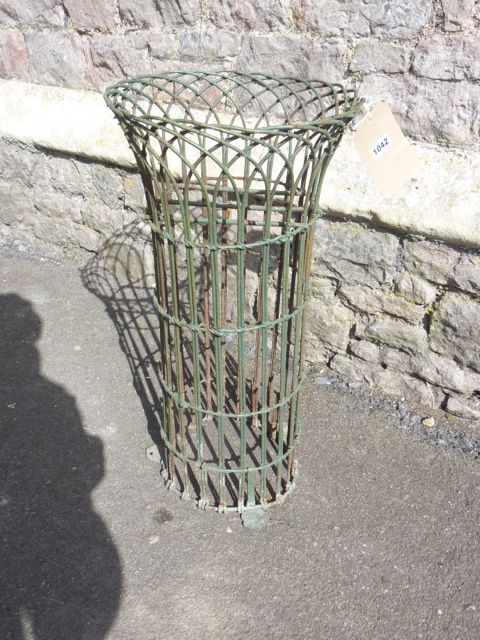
[232, 165]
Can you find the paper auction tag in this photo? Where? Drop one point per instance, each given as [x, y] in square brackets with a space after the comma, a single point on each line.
[385, 151]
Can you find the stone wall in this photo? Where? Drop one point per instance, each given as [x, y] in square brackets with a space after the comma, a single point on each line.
[400, 314]
[423, 55]
[69, 203]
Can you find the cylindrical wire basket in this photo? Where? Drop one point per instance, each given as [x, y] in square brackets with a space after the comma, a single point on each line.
[232, 166]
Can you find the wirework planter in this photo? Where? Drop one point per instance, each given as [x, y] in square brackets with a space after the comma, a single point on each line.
[232, 165]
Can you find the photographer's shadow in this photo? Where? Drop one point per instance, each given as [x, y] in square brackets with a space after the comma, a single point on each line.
[60, 575]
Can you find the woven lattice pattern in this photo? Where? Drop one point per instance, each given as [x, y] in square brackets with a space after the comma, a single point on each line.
[232, 166]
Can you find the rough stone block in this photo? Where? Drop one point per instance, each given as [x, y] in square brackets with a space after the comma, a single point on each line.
[433, 261]
[396, 333]
[65, 233]
[42, 171]
[390, 382]
[210, 45]
[454, 329]
[54, 174]
[180, 12]
[62, 174]
[328, 320]
[368, 351]
[291, 55]
[58, 205]
[427, 113]
[101, 218]
[458, 14]
[129, 254]
[163, 47]
[106, 185]
[13, 61]
[16, 205]
[463, 407]
[166, 65]
[134, 193]
[270, 15]
[401, 19]
[456, 114]
[95, 182]
[387, 57]
[466, 274]
[435, 369]
[17, 163]
[378, 301]
[453, 58]
[86, 238]
[317, 355]
[353, 254]
[119, 56]
[56, 57]
[52, 230]
[32, 12]
[330, 18]
[415, 289]
[325, 61]
[87, 15]
[394, 19]
[141, 14]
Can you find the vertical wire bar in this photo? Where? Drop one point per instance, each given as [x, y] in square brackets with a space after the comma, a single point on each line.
[255, 380]
[177, 335]
[242, 207]
[195, 338]
[285, 267]
[161, 267]
[223, 289]
[269, 196]
[297, 373]
[299, 250]
[280, 287]
[293, 303]
[217, 339]
[258, 304]
[206, 297]
[316, 182]
[206, 313]
[206, 318]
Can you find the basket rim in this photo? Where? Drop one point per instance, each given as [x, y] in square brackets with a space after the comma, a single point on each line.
[349, 97]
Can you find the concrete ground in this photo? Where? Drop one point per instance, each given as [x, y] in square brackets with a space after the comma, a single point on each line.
[379, 541]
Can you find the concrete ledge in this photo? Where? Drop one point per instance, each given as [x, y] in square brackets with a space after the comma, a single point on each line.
[443, 202]
[68, 120]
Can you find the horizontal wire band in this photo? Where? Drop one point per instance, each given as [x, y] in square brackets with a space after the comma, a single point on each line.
[240, 246]
[184, 404]
[222, 189]
[234, 221]
[233, 205]
[208, 466]
[200, 328]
